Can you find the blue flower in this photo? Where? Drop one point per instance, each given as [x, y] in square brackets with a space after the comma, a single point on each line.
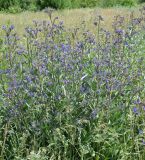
[135, 110]
[119, 31]
[140, 131]
[4, 27]
[11, 27]
[143, 142]
[93, 114]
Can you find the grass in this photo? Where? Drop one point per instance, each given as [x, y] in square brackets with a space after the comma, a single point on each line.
[72, 18]
[73, 94]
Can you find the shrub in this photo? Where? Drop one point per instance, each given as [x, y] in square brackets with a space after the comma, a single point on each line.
[128, 2]
[17, 5]
[14, 9]
[110, 3]
[58, 4]
[107, 3]
[88, 3]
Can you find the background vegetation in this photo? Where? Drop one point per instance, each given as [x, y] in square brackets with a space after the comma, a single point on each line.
[20, 5]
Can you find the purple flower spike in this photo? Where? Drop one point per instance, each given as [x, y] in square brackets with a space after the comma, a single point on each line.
[135, 110]
[93, 114]
[12, 27]
[119, 31]
[143, 142]
[4, 27]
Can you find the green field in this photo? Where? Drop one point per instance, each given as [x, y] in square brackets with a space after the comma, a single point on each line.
[72, 84]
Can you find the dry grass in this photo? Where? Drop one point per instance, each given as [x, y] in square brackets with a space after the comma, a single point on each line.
[70, 17]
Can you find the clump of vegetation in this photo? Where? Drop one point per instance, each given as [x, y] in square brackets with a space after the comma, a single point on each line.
[73, 94]
[15, 6]
[111, 3]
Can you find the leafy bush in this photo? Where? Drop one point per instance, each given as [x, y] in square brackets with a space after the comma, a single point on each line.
[17, 5]
[110, 3]
[128, 2]
[88, 3]
[14, 9]
[105, 3]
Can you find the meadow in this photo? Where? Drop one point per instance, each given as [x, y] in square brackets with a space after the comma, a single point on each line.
[72, 85]
[71, 17]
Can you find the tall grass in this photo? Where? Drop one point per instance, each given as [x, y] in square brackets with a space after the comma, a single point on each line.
[71, 17]
[71, 94]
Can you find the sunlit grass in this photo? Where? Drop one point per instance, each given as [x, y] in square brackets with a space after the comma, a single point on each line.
[72, 18]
